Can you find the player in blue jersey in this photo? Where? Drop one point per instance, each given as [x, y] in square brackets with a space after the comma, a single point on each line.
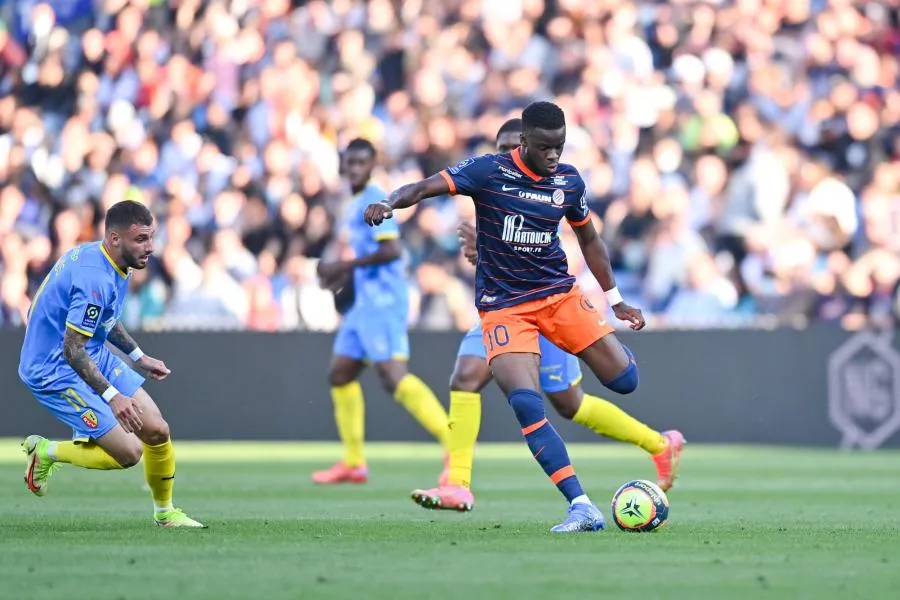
[68, 368]
[560, 380]
[373, 330]
[524, 289]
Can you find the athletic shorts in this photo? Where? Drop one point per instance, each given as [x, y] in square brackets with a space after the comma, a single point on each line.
[73, 402]
[567, 320]
[372, 337]
[559, 371]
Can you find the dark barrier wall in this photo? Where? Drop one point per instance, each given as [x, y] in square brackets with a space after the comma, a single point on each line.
[817, 387]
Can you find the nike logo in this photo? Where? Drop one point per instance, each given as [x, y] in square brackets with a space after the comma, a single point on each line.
[602, 322]
[506, 188]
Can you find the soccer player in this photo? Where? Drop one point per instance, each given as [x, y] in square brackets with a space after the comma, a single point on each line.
[68, 368]
[523, 287]
[374, 329]
[560, 380]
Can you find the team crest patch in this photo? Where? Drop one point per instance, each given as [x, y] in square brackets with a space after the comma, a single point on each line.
[559, 197]
[90, 419]
[91, 316]
[460, 166]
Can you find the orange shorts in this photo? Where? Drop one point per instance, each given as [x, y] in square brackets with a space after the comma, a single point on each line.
[568, 320]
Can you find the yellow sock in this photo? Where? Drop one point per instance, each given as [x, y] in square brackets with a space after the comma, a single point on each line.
[608, 419]
[465, 420]
[89, 455]
[424, 406]
[350, 416]
[159, 469]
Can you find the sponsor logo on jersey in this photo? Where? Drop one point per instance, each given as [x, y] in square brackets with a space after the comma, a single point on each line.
[522, 239]
[510, 173]
[535, 196]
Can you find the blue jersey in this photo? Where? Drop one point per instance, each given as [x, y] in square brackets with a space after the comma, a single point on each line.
[520, 257]
[86, 292]
[381, 287]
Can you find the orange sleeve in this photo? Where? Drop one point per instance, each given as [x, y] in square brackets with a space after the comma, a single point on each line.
[579, 223]
[449, 181]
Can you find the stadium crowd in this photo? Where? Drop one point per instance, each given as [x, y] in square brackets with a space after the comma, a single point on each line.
[742, 156]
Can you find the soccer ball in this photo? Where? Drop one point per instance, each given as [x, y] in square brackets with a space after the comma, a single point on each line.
[640, 506]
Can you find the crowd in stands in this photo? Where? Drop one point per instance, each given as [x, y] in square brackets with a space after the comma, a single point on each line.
[742, 156]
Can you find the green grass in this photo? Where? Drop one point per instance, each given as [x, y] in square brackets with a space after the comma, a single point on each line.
[744, 523]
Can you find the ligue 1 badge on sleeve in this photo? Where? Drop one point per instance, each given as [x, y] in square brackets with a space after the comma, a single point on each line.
[864, 390]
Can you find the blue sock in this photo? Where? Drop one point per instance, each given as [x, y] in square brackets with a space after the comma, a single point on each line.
[545, 444]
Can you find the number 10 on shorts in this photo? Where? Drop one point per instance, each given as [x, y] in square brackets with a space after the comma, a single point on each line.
[496, 336]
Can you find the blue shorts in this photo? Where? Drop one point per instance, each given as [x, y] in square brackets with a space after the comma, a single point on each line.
[559, 371]
[73, 402]
[372, 337]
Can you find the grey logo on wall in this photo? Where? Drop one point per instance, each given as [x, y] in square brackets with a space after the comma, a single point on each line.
[864, 390]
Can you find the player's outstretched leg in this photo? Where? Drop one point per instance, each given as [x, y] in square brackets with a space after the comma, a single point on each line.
[615, 366]
[350, 418]
[469, 377]
[517, 375]
[46, 456]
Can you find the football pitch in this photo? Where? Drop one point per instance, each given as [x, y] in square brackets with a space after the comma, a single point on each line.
[745, 522]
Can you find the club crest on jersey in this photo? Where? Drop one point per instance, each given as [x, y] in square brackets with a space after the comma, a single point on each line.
[461, 165]
[521, 239]
[559, 197]
[90, 419]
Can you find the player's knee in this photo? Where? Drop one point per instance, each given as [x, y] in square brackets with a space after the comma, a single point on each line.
[130, 455]
[339, 377]
[155, 432]
[466, 378]
[626, 381]
[390, 378]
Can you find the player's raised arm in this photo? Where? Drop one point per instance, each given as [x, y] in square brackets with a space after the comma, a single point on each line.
[407, 196]
[597, 259]
[121, 339]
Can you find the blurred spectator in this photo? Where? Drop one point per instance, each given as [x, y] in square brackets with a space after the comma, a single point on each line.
[744, 156]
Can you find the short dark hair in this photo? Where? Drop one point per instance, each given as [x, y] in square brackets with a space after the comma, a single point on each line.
[124, 214]
[511, 126]
[361, 144]
[542, 115]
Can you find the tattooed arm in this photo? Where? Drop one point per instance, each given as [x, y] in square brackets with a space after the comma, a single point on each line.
[81, 362]
[121, 339]
[125, 409]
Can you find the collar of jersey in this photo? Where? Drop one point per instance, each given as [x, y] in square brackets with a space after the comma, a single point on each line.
[517, 159]
[111, 261]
